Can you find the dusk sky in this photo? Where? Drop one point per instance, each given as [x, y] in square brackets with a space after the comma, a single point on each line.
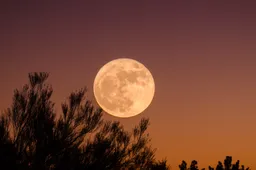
[201, 54]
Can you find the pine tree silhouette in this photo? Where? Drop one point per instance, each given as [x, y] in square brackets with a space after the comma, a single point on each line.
[183, 165]
[33, 137]
[227, 165]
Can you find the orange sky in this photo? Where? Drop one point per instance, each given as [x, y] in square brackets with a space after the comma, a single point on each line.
[201, 54]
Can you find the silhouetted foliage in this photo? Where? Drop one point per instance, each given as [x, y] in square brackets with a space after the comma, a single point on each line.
[33, 137]
[227, 165]
[193, 165]
[219, 166]
[183, 165]
[160, 165]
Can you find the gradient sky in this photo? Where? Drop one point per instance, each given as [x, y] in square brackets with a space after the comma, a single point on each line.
[202, 55]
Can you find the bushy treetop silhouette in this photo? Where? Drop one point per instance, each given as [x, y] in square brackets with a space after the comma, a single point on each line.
[32, 137]
[227, 165]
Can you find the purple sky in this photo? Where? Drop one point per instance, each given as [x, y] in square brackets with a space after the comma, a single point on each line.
[202, 55]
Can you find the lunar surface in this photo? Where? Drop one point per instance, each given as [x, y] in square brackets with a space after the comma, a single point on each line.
[124, 87]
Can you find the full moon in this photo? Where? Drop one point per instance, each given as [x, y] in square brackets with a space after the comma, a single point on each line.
[124, 87]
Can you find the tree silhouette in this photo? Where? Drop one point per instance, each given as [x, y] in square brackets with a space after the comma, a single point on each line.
[32, 121]
[7, 150]
[32, 137]
[119, 148]
[219, 166]
[160, 165]
[78, 119]
[183, 165]
[193, 165]
[227, 165]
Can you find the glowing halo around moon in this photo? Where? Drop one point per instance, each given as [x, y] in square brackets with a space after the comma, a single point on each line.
[124, 87]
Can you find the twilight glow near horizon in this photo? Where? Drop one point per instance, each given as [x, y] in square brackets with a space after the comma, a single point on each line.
[202, 55]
